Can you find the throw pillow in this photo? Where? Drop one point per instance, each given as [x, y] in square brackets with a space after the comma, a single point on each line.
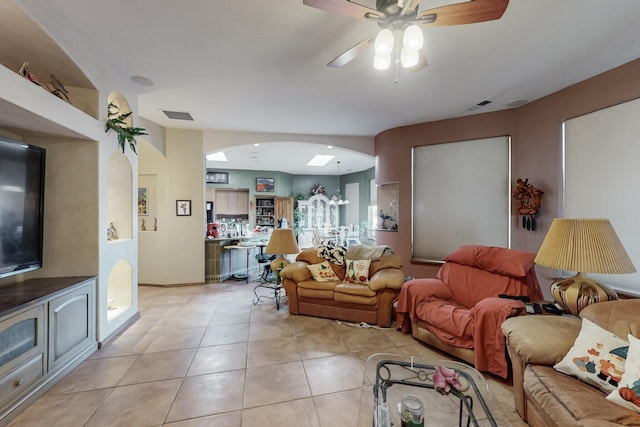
[332, 253]
[628, 392]
[357, 271]
[597, 357]
[323, 272]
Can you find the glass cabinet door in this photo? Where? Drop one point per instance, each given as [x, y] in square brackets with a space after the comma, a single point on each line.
[319, 211]
[21, 337]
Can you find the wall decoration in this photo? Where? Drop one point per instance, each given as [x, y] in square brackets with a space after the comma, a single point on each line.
[265, 185]
[217, 177]
[143, 200]
[388, 207]
[112, 233]
[528, 198]
[318, 189]
[183, 207]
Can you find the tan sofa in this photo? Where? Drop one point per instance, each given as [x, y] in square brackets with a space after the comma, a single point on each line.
[545, 397]
[351, 302]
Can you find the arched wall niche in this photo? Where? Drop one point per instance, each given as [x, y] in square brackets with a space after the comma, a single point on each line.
[119, 289]
[122, 105]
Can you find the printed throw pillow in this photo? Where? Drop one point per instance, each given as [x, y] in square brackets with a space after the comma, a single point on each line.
[332, 253]
[597, 357]
[357, 271]
[323, 272]
[628, 392]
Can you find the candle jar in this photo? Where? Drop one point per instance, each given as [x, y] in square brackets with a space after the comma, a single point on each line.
[411, 411]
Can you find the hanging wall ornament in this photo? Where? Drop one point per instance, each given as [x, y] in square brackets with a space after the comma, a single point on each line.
[528, 198]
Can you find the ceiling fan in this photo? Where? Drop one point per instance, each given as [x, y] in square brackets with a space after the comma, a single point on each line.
[397, 16]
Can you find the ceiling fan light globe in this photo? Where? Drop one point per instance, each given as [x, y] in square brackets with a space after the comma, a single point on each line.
[409, 58]
[413, 38]
[384, 42]
[381, 62]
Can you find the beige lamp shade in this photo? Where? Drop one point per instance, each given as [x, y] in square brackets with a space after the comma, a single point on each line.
[282, 242]
[583, 245]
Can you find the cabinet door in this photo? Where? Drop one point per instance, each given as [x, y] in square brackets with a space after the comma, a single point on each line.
[284, 208]
[232, 202]
[72, 325]
[21, 337]
[243, 202]
[221, 203]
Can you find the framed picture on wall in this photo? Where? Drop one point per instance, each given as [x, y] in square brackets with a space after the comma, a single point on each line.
[217, 177]
[143, 200]
[183, 207]
[265, 185]
[387, 207]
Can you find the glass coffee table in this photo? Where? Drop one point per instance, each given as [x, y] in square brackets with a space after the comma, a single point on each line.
[389, 377]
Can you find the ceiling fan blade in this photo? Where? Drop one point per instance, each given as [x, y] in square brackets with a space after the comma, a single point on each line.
[351, 53]
[344, 7]
[465, 13]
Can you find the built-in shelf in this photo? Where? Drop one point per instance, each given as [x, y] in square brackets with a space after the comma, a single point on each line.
[29, 110]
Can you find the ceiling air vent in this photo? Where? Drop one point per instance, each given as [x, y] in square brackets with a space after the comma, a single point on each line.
[178, 115]
[478, 105]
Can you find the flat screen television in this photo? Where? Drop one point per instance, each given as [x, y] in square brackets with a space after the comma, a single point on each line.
[21, 206]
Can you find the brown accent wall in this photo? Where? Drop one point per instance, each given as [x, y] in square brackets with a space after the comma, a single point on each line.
[536, 131]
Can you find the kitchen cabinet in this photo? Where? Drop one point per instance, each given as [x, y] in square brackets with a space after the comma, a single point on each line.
[231, 202]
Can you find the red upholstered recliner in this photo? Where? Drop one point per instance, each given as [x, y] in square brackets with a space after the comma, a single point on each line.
[460, 311]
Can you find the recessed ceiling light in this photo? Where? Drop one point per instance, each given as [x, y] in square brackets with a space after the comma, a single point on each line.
[329, 146]
[256, 145]
[142, 81]
[217, 157]
[517, 103]
[320, 160]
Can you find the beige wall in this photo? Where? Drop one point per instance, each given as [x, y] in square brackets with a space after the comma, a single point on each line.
[175, 253]
[537, 151]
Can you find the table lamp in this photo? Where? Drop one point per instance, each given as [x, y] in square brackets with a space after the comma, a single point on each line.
[583, 245]
[282, 242]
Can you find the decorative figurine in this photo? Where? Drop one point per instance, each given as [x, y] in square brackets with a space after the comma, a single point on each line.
[112, 233]
[58, 88]
[24, 72]
[143, 227]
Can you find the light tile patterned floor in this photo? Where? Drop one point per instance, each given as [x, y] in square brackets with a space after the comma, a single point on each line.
[207, 356]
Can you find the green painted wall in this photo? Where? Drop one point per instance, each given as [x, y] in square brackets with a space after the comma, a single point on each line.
[287, 185]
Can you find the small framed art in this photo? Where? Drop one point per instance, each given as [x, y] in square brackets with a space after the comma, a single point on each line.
[183, 207]
[217, 177]
[265, 185]
[143, 199]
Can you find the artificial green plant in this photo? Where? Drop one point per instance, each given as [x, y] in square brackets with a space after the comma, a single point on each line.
[117, 122]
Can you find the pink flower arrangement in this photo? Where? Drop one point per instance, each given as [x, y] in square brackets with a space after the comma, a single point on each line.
[445, 381]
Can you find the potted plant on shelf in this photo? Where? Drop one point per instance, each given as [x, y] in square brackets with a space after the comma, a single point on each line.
[117, 122]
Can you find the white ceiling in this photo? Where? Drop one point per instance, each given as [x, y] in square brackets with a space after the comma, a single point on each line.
[260, 66]
[292, 157]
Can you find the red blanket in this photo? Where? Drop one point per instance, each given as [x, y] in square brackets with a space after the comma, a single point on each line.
[479, 327]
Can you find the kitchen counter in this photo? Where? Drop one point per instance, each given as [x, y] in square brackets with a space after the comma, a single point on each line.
[222, 263]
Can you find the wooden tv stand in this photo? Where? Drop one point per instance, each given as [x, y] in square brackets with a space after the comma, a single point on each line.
[47, 328]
